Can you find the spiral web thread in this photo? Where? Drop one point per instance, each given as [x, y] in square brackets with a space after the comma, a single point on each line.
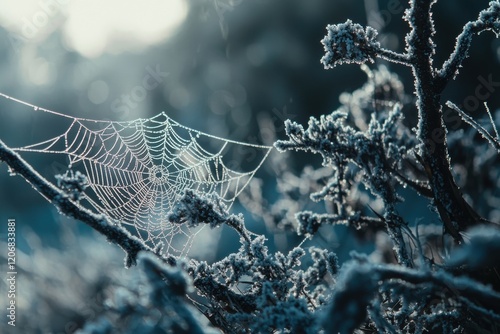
[138, 169]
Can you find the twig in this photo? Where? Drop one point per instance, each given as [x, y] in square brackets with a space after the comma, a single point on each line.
[495, 142]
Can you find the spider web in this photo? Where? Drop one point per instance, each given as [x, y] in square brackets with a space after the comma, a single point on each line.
[137, 170]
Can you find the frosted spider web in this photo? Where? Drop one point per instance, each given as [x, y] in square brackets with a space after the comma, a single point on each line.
[138, 169]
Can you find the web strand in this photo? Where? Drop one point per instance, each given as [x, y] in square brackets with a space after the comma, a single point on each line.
[137, 170]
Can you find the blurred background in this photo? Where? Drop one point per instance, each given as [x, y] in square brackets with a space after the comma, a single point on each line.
[232, 68]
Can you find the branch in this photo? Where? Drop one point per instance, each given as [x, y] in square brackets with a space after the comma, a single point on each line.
[489, 19]
[310, 222]
[422, 188]
[395, 57]
[349, 42]
[113, 232]
[495, 142]
[465, 287]
[454, 211]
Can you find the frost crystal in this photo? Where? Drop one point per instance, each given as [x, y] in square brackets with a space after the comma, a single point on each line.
[72, 183]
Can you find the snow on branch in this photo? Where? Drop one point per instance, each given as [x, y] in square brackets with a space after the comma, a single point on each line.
[349, 43]
[372, 156]
[374, 151]
[361, 282]
[196, 209]
[489, 19]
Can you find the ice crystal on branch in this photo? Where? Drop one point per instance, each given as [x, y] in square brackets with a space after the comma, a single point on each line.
[349, 43]
[375, 151]
[72, 183]
[195, 209]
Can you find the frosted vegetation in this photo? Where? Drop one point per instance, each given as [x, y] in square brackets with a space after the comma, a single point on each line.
[430, 277]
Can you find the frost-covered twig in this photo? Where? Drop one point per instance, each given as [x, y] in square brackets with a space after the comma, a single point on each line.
[348, 43]
[375, 152]
[489, 19]
[168, 288]
[463, 286]
[361, 282]
[395, 57]
[153, 300]
[310, 222]
[495, 142]
[254, 289]
[194, 210]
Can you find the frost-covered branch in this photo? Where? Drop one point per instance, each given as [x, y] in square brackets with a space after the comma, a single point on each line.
[489, 19]
[376, 152]
[351, 43]
[310, 222]
[455, 213]
[348, 43]
[194, 210]
[254, 289]
[361, 282]
[67, 206]
[495, 142]
[465, 287]
[154, 302]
